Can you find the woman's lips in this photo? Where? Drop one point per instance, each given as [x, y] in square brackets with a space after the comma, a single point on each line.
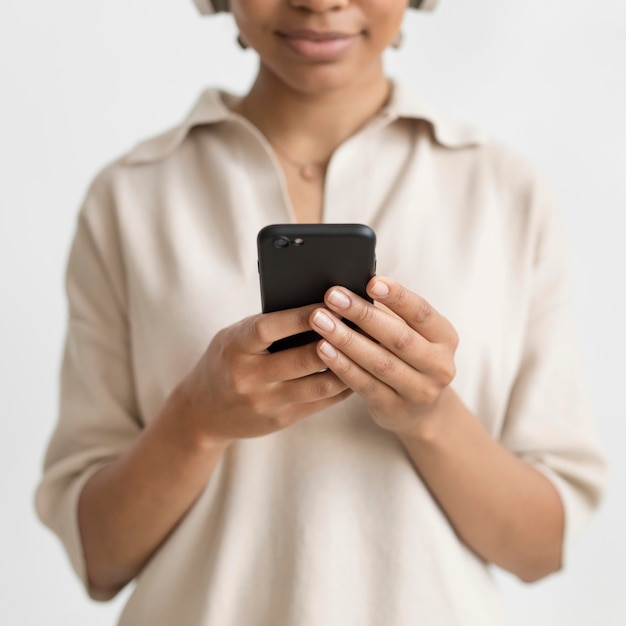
[316, 46]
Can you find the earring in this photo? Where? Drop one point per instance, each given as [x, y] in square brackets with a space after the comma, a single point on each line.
[398, 41]
[242, 44]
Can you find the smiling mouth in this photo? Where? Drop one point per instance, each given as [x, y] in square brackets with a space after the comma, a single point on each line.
[318, 46]
[313, 35]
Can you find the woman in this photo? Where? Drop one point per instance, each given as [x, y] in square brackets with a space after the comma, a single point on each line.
[358, 480]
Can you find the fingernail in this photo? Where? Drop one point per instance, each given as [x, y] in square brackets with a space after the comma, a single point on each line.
[339, 299]
[380, 289]
[327, 350]
[324, 321]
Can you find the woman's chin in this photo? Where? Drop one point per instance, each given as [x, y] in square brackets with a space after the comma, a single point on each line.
[322, 79]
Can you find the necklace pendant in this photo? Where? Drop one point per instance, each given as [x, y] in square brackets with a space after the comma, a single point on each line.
[310, 172]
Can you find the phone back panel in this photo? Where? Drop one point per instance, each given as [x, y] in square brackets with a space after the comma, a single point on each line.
[298, 263]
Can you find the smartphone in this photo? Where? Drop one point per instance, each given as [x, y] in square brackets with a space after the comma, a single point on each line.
[298, 263]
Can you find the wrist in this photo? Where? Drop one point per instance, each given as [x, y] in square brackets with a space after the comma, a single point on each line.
[188, 421]
[432, 423]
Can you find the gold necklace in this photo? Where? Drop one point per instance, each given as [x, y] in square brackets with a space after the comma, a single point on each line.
[309, 171]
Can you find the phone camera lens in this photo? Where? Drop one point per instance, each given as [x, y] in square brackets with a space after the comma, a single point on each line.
[281, 242]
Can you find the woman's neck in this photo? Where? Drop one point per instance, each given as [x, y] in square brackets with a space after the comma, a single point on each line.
[312, 126]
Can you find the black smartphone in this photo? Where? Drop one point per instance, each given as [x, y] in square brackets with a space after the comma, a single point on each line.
[298, 263]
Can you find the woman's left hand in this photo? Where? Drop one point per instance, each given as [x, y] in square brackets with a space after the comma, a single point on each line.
[404, 365]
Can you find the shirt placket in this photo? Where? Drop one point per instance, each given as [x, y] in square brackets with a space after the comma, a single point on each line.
[347, 191]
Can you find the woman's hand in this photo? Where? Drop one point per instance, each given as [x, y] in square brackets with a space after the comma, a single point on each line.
[505, 510]
[404, 365]
[238, 389]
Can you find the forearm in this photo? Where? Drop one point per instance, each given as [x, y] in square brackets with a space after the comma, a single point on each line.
[129, 507]
[237, 390]
[505, 510]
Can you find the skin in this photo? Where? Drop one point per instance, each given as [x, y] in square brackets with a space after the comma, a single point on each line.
[504, 509]
[309, 109]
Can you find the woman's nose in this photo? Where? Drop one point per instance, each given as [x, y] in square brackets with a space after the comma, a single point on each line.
[319, 6]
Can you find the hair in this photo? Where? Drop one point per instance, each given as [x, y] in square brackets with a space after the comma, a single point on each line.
[207, 7]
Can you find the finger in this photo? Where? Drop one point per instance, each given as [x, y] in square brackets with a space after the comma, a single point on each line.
[413, 309]
[309, 389]
[374, 391]
[262, 330]
[432, 359]
[387, 328]
[291, 364]
[368, 361]
[297, 412]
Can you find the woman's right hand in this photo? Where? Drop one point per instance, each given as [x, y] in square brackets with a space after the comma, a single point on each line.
[238, 389]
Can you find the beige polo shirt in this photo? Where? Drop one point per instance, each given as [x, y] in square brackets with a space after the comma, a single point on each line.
[327, 522]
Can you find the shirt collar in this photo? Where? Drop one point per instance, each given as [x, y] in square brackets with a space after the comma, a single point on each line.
[448, 132]
[213, 107]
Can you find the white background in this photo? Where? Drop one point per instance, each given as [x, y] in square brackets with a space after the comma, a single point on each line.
[81, 82]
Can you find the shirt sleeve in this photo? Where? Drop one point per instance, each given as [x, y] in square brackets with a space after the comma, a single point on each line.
[549, 422]
[98, 417]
